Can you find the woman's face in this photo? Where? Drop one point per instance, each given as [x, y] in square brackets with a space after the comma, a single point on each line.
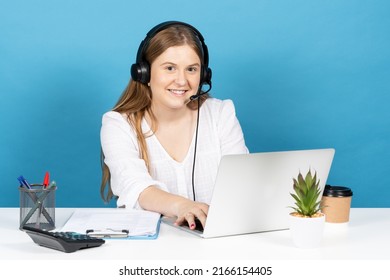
[175, 77]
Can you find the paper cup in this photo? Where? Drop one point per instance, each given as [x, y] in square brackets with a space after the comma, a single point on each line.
[336, 204]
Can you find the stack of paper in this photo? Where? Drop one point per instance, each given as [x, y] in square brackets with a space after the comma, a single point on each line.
[114, 221]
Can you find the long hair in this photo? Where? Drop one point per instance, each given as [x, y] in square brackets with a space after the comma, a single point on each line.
[136, 99]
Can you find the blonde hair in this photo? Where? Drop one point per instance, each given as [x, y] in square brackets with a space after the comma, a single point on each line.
[136, 99]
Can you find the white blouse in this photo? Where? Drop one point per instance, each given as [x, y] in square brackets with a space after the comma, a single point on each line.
[219, 134]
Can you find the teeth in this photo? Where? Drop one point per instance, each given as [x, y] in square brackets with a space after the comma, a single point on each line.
[177, 91]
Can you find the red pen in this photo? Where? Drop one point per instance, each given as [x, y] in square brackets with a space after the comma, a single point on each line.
[46, 180]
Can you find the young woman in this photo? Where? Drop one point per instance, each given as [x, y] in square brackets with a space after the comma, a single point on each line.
[163, 140]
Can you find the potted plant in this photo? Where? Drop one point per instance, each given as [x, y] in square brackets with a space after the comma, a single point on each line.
[307, 222]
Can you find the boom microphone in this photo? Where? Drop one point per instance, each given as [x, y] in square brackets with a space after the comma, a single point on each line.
[199, 94]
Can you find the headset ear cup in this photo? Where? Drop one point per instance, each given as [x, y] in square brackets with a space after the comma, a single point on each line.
[134, 71]
[140, 72]
[207, 73]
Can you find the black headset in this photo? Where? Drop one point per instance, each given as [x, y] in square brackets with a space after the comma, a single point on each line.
[140, 71]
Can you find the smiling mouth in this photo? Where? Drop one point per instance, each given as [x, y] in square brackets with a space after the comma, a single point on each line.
[178, 92]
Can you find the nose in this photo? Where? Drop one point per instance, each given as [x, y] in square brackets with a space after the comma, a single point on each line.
[181, 78]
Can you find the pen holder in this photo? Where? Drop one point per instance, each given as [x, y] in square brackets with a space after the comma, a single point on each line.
[37, 207]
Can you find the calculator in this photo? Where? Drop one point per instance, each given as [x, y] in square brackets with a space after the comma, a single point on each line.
[67, 242]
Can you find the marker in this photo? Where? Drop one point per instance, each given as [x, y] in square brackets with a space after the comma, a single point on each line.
[46, 180]
[24, 182]
[52, 184]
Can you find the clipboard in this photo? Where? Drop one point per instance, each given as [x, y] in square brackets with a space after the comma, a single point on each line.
[121, 234]
[108, 233]
[114, 223]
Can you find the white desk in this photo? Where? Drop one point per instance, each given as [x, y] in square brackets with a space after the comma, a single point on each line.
[366, 237]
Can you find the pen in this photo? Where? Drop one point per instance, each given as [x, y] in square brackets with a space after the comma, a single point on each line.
[45, 184]
[24, 182]
[46, 180]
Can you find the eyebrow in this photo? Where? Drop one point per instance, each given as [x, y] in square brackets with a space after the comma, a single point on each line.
[171, 63]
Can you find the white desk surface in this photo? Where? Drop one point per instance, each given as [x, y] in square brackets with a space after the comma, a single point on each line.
[367, 236]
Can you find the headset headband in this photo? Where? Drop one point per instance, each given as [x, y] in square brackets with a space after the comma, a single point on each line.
[140, 71]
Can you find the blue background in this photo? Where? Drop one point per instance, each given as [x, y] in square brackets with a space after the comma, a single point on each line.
[303, 74]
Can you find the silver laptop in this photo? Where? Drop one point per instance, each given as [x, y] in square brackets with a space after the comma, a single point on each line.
[252, 191]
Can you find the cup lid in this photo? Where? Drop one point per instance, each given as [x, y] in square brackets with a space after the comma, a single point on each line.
[337, 191]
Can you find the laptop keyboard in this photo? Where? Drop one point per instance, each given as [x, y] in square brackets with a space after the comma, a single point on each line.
[198, 225]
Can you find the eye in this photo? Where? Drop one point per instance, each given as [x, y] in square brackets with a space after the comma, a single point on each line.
[170, 68]
[192, 69]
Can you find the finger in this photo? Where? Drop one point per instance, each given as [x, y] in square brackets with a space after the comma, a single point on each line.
[189, 218]
[179, 221]
[205, 208]
[202, 216]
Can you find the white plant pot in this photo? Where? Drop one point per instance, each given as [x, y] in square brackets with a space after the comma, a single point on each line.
[307, 232]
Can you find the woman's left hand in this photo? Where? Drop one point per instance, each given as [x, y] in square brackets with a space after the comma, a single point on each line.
[190, 211]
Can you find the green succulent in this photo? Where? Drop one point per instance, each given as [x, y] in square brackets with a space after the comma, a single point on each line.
[307, 192]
